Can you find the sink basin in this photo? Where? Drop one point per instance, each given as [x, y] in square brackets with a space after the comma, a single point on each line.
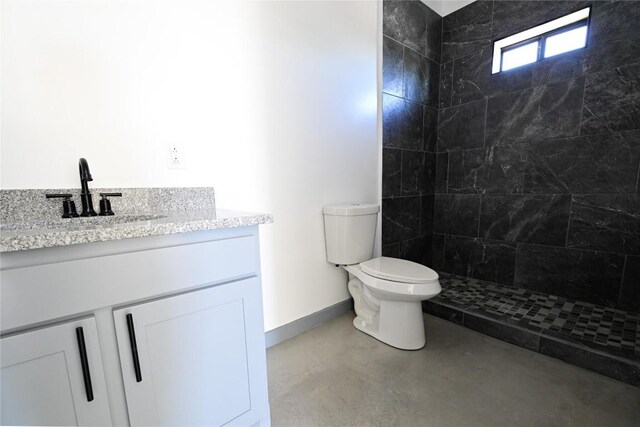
[78, 222]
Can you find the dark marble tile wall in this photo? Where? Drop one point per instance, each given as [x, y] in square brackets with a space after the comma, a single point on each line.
[537, 168]
[411, 85]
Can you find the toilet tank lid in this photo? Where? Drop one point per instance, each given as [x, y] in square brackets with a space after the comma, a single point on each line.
[351, 209]
[398, 270]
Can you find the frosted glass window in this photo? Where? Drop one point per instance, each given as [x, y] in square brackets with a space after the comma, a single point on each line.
[560, 35]
[521, 55]
[565, 42]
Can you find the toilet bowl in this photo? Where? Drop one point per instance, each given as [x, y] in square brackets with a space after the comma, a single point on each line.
[387, 292]
[388, 295]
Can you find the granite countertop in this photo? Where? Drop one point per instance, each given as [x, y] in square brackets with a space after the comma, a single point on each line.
[30, 221]
[73, 231]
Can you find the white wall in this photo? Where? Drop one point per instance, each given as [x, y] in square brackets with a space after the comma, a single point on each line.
[445, 7]
[273, 103]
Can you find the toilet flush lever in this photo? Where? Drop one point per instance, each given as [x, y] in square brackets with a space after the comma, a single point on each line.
[105, 204]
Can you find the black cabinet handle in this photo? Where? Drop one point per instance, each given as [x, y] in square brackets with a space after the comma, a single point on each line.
[85, 364]
[134, 347]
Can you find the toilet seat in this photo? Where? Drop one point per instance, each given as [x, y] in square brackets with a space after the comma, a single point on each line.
[399, 270]
[397, 291]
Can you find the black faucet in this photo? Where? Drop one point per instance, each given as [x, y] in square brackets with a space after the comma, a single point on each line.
[85, 195]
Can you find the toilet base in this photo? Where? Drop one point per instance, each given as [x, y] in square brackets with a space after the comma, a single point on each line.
[399, 324]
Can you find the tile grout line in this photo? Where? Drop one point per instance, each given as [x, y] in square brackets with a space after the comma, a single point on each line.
[453, 68]
[412, 150]
[584, 90]
[433, 225]
[486, 114]
[566, 238]
[424, 128]
[440, 62]
[441, 48]
[437, 140]
[497, 95]
[516, 243]
[401, 174]
[515, 263]
[479, 214]
[420, 214]
[438, 132]
[523, 141]
[482, 238]
[441, 36]
[407, 196]
[592, 251]
[410, 48]
[404, 72]
[406, 99]
[435, 203]
[493, 10]
[465, 104]
[524, 172]
[403, 69]
[521, 194]
[624, 267]
[446, 187]
[638, 180]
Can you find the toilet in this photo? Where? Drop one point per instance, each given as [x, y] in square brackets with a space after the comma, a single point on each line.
[387, 292]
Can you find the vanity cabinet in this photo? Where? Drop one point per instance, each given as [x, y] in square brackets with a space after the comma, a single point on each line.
[190, 359]
[191, 303]
[43, 381]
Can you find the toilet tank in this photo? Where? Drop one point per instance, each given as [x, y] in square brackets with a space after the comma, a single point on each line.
[350, 232]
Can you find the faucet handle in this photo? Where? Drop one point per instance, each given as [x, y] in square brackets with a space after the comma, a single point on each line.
[68, 205]
[105, 204]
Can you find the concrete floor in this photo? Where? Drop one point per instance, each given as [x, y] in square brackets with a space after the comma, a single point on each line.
[335, 375]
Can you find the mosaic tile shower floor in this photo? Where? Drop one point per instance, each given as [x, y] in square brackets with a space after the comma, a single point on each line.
[604, 328]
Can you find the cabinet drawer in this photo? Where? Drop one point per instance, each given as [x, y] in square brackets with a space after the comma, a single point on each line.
[53, 291]
[43, 377]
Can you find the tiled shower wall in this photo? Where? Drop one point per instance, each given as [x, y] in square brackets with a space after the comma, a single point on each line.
[536, 177]
[411, 79]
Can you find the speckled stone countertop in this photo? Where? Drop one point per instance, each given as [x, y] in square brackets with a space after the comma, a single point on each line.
[137, 215]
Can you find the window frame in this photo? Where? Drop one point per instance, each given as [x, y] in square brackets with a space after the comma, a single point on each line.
[541, 39]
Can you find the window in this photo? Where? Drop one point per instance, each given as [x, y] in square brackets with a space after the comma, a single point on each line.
[555, 37]
[566, 41]
[520, 55]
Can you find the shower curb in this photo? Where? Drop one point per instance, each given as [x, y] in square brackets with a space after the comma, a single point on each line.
[613, 366]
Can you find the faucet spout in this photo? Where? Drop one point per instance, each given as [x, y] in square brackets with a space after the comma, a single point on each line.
[85, 194]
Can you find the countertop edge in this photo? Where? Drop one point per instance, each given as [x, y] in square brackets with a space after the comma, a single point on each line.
[60, 237]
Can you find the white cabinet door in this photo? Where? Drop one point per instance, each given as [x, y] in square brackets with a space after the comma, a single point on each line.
[48, 380]
[198, 358]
